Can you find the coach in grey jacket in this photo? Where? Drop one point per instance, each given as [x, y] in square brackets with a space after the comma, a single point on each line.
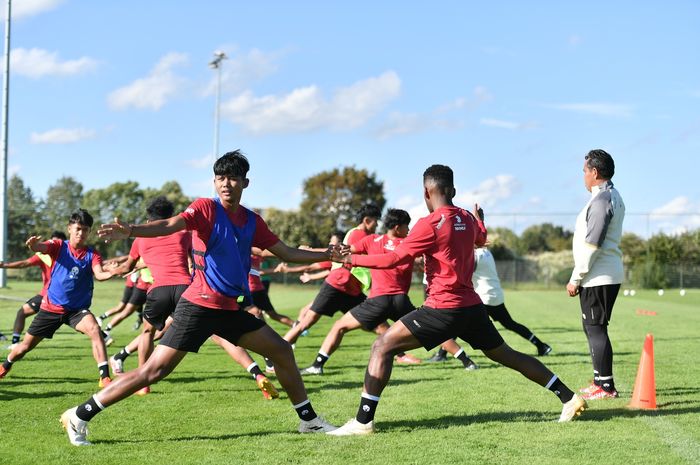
[598, 271]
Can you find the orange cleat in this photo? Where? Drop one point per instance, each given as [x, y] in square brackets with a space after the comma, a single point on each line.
[143, 391]
[104, 382]
[408, 359]
[268, 389]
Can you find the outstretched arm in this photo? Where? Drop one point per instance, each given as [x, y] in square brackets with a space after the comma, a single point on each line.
[34, 243]
[291, 254]
[19, 264]
[120, 230]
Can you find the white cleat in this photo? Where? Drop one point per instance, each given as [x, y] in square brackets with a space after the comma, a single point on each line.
[572, 408]
[317, 425]
[311, 370]
[75, 427]
[116, 365]
[354, 428]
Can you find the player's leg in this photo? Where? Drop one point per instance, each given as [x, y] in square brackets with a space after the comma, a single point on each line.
[18, 351]
[262, 339]
[263, 302]
[308, 319]
[501, 314]
[331, 343]
[30, 307]
[243, 358]
[43, 326]
[85, 322]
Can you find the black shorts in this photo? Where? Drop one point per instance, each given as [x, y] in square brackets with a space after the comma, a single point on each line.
[329, 300]
[262, 301]
[194, 324]
[35, 303]
[138, 297]
[45, 323]
[266, 284]
[432, 327]
[597, 303]
[498, 312]
[376, 310]
[126, 296]
[161, 303]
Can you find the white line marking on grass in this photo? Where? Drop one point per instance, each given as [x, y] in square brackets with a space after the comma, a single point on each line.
[674, 437]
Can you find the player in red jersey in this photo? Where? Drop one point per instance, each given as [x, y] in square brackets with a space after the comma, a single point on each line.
[223, 233]
[31, 306]
[446, 239]
[68, 296]
[388, 298]
[343, 287]
[259, 294]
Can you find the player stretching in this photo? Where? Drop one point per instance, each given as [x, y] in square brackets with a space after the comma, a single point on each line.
[223, 233]
[446, 238]
[31, 306]
[69, 293]
[388, 298]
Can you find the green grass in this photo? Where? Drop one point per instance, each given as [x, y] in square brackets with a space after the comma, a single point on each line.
[209, 410]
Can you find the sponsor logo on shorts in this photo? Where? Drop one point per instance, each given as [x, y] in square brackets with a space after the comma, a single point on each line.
[416, 323]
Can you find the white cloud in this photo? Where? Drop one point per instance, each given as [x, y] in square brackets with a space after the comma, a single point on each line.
[306, 109]
[26, 8]
[154, 90]
[239, 70]
[489, 192]
[678, 215]
[200, 163]
[511, 125]
[595, 108]
[61, 136]
[37, 63]
[480, 95]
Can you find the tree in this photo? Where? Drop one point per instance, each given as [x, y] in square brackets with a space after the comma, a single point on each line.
[331, 199]
[503, 243]
[545, 237]
[21, 217]
[634, 249]
[62, 199]
[172, 191]
[292, 227]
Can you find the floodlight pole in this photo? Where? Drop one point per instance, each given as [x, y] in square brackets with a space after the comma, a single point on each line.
[216, 64]
[3, 175]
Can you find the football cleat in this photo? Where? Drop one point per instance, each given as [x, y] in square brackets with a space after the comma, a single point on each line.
[600, 393]
[437, 357]
[353, 428]
[104, 382]
[143, 391]
[408, 359]
[117, 365]
[3, 371]
[268, 389]
[317, 425]
[75, 427]
[312, 370]
[572, 409]
[471, 366]
[543, 350]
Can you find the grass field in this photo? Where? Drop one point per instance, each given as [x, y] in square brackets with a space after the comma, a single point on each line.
[210, 412]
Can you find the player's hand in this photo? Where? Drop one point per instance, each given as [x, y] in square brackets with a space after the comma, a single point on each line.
[305, 278]
[32, 241]
[478, 212]
[572, 289]
[338, 253]
[280, 268]
[114, 231]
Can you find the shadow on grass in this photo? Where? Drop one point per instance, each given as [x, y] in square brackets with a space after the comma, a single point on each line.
[324, 385]
[448, 421]
[668, 409]
[159, 441]
[14, 395]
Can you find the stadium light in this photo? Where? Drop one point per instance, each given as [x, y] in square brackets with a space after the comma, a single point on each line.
[3, 175]
[216, 64]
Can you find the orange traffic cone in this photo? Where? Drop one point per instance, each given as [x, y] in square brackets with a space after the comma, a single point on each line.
[644, 394]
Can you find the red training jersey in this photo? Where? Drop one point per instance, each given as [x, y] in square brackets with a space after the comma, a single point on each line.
[199, 218]
[166, 257]
[341, 278]
[254, 282]
[446, 239]
[35, 260]
[387, 281]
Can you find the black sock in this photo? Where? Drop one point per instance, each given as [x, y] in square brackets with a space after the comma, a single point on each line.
[607, 383]
[108, 328]
[536, 341]
[15, 338]
[89, 409]
[305, 410]
[368, 406]
[255, 370]
[463, 357]
[442, 353]
[557, 387]
[103, 316]
[7, 364]
[104, 369]
[122, 354]
[321, 359]
[268, 363]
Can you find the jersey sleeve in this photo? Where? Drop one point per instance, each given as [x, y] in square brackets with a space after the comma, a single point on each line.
[419, 240]
[96, 258]
[598, 217]
[134, 251]
[34, 260]
[263, 238]
[199, 216]
[54, 247]
[362, 246]
[356, 236]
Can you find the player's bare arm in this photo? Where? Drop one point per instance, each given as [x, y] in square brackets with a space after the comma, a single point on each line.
[120, 230]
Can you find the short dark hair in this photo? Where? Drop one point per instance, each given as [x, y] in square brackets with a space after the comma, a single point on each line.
[601, 161]
[233, 164]
[396, 217]
[441, 175]
[81, 217]
[339, 234]
[368, 210]
[59, 234]
[160, 208]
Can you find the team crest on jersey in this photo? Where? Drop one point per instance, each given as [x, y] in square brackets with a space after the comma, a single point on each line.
[390, 245]
[74, 272]
[459, 226]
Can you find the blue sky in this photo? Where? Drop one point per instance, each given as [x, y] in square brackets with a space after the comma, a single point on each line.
[510, 94]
